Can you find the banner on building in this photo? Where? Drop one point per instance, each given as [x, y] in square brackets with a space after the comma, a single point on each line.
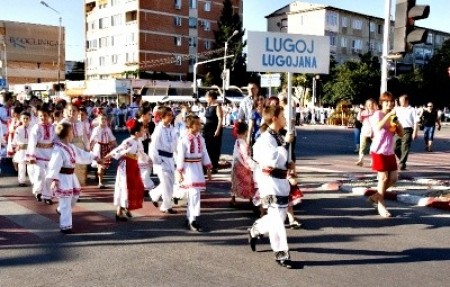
[281, 52]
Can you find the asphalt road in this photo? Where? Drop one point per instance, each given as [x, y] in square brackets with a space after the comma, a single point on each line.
[343, 243]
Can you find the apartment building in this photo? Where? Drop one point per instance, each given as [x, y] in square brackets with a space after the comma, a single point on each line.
[350, 33]
[167, 36]
[29, 53]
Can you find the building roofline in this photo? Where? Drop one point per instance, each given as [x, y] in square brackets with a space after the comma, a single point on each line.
[2, 23]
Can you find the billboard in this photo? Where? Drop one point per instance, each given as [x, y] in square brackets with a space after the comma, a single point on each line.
[281, 52]
[32, 43]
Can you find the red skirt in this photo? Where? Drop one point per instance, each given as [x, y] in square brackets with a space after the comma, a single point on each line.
[135, 185]
[242, 184]
[381, 162]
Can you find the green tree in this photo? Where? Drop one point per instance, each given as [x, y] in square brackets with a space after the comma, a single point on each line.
[355, 81]
[436, 78]
[227, 24]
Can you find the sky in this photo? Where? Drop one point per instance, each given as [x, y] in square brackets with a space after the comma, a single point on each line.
[71, 11]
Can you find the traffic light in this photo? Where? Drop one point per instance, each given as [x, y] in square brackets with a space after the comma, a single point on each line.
[405, 33]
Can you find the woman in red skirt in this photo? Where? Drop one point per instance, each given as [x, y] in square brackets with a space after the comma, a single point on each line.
[385, 125]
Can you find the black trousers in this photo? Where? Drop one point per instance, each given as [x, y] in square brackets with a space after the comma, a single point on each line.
[213, 146]
[403, 145]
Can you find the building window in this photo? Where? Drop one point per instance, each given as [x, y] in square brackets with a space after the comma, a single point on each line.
[344, 42]
[430, 39]
[103, 23]
[178, 4]
[207, 44]
[357, 24]
[177, 40]
[380, 29]
[178, 60]
[116, 20]
[114, 59]
[356, 45]
[207, 6]
[206, 25]
[192, 22]
[372, 27]
[177, 21]
[130, 57]
[103, 42]
[115, 2]
[331, 19]
[192, 41]
[344, 22]
[101, 61]
[193, 4]
[333, 40]
[130, 39]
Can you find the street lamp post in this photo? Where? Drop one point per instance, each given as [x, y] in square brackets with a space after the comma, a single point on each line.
[59, 40]
[224, 73]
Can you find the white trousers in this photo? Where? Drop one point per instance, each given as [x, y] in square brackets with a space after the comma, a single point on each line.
[193, 204]
[21, 172]
[164, 189]
[145, 176]
[273, 223]
[65, 208]
[40, 184]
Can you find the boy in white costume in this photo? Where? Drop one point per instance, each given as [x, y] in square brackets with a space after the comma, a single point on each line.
[271, 154]
[162, 147]
[39, 150]
[20, 144]
[192, 156]
[61, 173]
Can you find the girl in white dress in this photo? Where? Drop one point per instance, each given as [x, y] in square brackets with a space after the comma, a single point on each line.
[20, 144]
[129, 188]
[191, 158]
[102, 142]
[61, 173]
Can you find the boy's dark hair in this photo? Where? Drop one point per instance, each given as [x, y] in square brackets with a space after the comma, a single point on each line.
[191, 119]
[18, 110]
[62, 129]
[241, 128]
[25, 113]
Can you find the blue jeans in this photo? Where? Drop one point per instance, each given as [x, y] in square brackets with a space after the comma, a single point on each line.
[428, 134]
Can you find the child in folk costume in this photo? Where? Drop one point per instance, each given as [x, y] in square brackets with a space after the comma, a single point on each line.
[272, 155]
[13, 124]
[129, 188]
[39, 150]
[80, 139]
[61, 173]
[144, 116]
[242, 183]
[102, 142]
[84, 118]
[20, 144]
[162, 147]
[191, 158]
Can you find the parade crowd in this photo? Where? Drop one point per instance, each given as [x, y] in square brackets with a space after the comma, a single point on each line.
[51, 144]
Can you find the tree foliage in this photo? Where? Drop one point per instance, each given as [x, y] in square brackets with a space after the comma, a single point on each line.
[227, 24]
[355, 81]
[436, 79]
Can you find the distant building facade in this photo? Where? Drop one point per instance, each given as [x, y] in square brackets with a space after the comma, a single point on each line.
[350, 33]
[29, 52]
[167, 36]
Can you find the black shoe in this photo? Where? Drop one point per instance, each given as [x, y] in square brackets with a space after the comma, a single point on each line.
[402, 166]
[121, 218]
[175, 200]
[155, 203]
[146, 193]
[101, 186]
[48, 201]
[170, 211]
[22, 184]
[66, 231]
[285, 263]
[128, 214]
[39, 197]
[57, 211]
[194, 226]
[252, 240]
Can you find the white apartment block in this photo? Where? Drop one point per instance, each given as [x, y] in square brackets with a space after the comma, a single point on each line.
[350, 33]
